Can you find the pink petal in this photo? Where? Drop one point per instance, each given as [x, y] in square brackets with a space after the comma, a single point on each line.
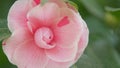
[44, 15]
[18, 37]
[43, 38]
[37, 1]
[59, 54]
[60, 3]
[82, 42]
[68, 35]
[28, 55]
[17, 14]
[53, 64]
[63, 22]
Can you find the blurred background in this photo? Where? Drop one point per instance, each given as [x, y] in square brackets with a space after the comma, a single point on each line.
[103, 20]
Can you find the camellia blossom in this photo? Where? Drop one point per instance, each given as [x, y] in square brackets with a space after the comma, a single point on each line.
[51, 35]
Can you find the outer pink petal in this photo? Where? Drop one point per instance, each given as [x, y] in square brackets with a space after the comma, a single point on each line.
[29, 55]
[53, 64]
[18, 37]
[59, 54]
[60, 3]
[17, 14]
[68, 35]
[43, 15]
[82, 42]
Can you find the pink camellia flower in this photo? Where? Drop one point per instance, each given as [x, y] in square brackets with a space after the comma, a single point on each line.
[50, 35]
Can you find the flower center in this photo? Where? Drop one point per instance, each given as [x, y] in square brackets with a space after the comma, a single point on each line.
[44, 37]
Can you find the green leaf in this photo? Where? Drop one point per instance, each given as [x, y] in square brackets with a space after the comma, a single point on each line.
[99, 56]
[4, 31]
[112, 9]
[93, 7]
[111, 3]
[72, 4]
[111, 19]
[43, 1]
[4, 7]
[106, 53]
[83, 12]
[112, 16]
[89, 60]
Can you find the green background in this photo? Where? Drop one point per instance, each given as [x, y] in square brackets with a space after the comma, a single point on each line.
[103, 20]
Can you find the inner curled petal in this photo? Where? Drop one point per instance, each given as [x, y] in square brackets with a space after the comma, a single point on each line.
[43, 38]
